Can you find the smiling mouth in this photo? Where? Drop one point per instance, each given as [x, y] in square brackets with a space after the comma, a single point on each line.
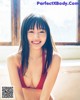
[34, 42]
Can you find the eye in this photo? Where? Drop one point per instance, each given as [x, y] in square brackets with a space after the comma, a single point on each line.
[42, 31]
[30, 31]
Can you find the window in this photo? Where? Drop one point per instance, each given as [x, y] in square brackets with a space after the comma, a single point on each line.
[9, 22]
[64, 21]
[5, 21]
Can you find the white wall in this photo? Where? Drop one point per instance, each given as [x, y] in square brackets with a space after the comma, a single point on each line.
[5, 51]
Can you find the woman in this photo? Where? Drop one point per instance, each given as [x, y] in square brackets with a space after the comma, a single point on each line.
[34, 69]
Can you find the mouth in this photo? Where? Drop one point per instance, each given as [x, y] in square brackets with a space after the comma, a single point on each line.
[36, 42]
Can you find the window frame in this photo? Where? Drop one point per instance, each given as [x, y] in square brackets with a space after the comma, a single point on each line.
[15, 26]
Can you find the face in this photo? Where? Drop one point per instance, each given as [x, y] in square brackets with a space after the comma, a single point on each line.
[36, 38]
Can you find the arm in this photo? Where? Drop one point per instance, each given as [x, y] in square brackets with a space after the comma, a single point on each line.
[14, 77]
[51, 77]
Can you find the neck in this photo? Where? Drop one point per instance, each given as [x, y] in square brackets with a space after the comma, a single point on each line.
[35, 54]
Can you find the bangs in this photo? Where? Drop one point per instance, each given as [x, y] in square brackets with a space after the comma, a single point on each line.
[39, 22]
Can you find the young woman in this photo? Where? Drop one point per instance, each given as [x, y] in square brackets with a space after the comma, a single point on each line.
[34, 69]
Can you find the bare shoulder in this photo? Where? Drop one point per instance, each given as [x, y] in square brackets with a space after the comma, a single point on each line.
[14, 59]
[56, 56]
[56, 61]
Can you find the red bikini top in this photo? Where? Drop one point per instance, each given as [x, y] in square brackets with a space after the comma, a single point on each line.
[42, 79]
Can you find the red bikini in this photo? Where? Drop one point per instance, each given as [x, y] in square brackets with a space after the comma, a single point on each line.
[42, 79]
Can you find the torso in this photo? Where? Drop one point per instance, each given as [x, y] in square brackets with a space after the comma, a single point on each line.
[33, 73]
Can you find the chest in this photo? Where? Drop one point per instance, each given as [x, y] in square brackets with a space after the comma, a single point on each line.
[33, 73]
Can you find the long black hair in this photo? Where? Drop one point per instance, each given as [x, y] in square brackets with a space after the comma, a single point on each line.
[29, 23]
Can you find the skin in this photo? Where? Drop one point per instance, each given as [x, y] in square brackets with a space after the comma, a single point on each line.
[34, 69]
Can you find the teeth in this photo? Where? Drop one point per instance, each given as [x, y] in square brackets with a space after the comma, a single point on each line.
[36, 42]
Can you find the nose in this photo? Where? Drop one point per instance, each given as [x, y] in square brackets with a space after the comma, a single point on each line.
[36, 35]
